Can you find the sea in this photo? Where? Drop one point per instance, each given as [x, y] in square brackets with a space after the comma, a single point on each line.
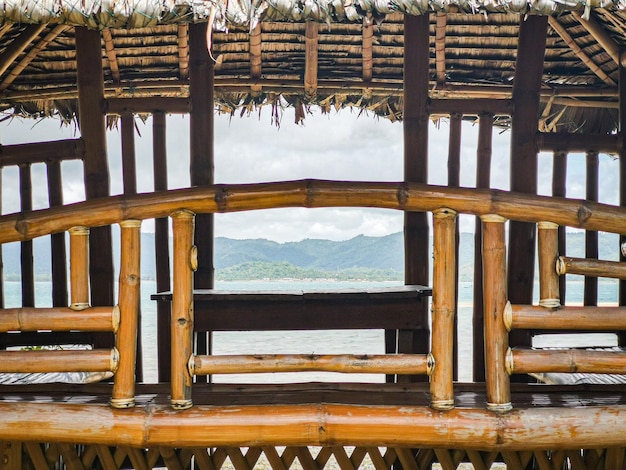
[327, 342]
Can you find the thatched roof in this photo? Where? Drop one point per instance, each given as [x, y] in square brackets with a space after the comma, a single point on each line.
[260, 50]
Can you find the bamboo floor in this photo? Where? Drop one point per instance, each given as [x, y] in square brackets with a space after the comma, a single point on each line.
[84, 445]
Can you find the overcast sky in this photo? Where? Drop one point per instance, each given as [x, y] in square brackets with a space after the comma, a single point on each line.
[341, 146]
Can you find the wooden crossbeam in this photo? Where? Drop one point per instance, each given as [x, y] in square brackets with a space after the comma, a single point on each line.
[440, 47]
[600, 35]
[310, 60]
[561, 31]
[183, 51]
[111, 55]
[367, 43]
[255, 52]
[18, 46]
[32, 53]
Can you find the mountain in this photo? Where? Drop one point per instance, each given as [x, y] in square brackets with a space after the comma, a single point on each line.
[360, 257]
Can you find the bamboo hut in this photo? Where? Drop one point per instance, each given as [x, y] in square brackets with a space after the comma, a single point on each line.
[552, 72]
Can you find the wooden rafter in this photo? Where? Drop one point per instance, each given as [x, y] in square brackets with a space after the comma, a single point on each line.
[32, 53]
[255, 52]
[561, 31]
[368, 36]
[440, 47]
[183, 51]
[310, 70]
[111, 56]
[18, 46]
[600, 35]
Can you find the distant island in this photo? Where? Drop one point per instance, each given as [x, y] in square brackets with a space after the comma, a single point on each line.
[360, 258]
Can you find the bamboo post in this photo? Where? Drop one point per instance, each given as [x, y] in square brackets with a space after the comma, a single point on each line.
[483, 180]
[495, 298]
[559, 177]
[443, 307]
[79, 268]
[591, 236]
[454, 181]
[58, 253]
[185, 263]
[622, 172]
[548, 241]
[123, 395]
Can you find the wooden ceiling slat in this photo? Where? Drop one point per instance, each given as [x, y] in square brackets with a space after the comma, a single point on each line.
[600, 35]
[561, 31]
[310, 68]
[367, 42]
[30, 56]
[111, 55]
[19, 45]
[440, 47]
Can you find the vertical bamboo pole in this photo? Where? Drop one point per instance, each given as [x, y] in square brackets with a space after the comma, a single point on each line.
[26, 247]
[127, 335]
[524, 127]
[483, 179]
[185, 262]
[622, 174]
[443, 310]
[96, 170]
[548, 241]
[559, 177]
[129, 171]
[162, 248]
[415, 122]
[454, 181]
[591, 236]
[57, 240]
[79, 268]
[495, 299]
[201, 93]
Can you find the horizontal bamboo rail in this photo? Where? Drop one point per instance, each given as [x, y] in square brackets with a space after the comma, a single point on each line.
[565, 318]
[591, 267]
[314, 193]
[92, 360]
[522, 361]
[317, 424]
[59, 319]
[407, 364]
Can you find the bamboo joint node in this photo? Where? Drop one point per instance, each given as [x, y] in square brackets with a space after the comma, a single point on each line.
[131, 223]
[500, 407]
[561, 267]
[181, 404]
[80, 305]
[79, 230]
[122, 403]
[115, 318]
[115, 360]
[550, 303]
[193, 258]
[509, 362]
[442, 405]
[430, 364]
[183, 214]
[507, 316]
[492, 218]
[547, 225]
[444, 213]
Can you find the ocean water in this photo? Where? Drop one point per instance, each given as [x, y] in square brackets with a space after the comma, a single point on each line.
[325, 342]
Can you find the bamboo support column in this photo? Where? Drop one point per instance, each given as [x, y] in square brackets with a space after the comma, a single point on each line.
[129, 296]
[79, 268]
[495, 299]
[454, 181]
[591, 236]
[483, 181]
[548, 241]
[26, 247]
[415, 122]
[559, 177]
[185, 263]
[622, 173]
[443, 309]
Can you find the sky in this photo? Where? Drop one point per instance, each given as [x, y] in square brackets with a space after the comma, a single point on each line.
[341, 145]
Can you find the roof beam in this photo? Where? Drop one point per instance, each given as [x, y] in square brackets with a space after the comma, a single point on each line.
[183, 51]
[600, 35]
[310, 59]
[366, 48]
[440, 47]
[40, 46]
[111, 56]
[561, 31]
[255, 52]
[18, 45]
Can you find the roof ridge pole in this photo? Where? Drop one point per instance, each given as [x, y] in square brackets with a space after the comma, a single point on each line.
[415, 122]
[92, 125]
[201, 95]
[524, 127]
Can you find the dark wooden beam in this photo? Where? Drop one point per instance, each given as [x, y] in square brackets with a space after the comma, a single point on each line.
[559, 178]
[96, 171]
[42, 152]
[169, 105]
[454, 181]
[569, 142]
[26, 247]
[57, 240]
[415, 125]
[524, 127]
[591, 236]
[474, 106]
[129, 167]
[622, 175]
